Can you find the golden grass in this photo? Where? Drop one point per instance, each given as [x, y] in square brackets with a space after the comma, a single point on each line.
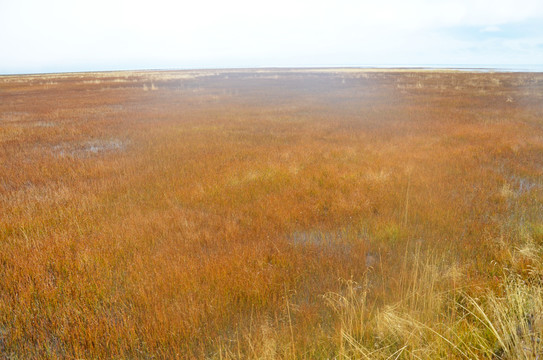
[271, 214]
[437, 318]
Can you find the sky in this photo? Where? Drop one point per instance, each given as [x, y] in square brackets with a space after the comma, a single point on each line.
[70, 35]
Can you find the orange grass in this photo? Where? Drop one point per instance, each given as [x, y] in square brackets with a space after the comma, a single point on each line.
[206, 213]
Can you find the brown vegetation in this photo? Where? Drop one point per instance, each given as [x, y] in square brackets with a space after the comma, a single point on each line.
[271, 214]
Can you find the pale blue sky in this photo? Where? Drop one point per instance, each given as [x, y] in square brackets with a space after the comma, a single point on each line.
[72, 35]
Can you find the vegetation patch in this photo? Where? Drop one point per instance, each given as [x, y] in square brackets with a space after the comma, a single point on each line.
[271, 214]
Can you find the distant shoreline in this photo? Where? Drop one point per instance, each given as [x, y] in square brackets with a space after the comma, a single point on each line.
[368, 68]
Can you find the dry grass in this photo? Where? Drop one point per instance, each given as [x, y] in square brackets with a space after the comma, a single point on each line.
[216, 215]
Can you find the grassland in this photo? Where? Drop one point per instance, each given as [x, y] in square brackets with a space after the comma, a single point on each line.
[272, 214]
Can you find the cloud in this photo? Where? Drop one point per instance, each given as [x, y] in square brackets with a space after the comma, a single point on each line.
[491, 29]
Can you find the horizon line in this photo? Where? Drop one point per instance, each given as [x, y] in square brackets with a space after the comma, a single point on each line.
[459, 67]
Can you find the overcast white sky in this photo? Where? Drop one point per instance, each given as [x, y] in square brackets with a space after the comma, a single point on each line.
[72, 35]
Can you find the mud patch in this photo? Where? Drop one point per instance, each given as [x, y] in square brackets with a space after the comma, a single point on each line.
[88, 148]
[338, 241]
